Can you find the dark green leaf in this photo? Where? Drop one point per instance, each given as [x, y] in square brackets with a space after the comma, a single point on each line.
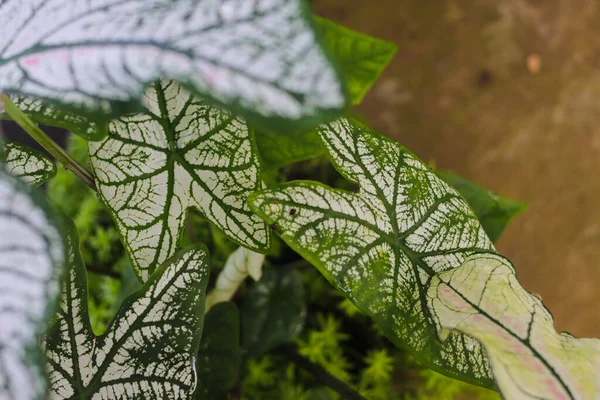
[219, 356]
[273, 311]
[278, 149]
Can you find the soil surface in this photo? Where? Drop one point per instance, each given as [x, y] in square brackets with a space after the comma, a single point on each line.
[506, 94]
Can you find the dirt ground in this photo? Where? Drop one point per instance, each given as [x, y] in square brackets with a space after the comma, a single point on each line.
[507, 94]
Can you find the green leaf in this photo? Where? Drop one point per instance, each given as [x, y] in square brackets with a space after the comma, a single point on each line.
[149, 349]
[273, 311]
[278, 149]
[31, 261]
[27, 164]
[261, 57]
[239, 265]
[494, 212]
[483, 299]
[48, 114]
[181, 153]
[219, 357]
[361, 58]
[382, 245]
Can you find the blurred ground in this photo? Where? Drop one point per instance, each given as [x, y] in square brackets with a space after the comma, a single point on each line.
[507, 94]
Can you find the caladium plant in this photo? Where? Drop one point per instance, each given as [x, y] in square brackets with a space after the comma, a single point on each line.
[198, 104]
[32, 254]
[148, 351]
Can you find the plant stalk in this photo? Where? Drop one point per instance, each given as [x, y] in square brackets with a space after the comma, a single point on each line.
[47, 143]
[345, 391]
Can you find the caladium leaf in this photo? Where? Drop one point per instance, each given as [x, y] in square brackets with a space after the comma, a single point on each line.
[493, 211]
[48, 114]
[529, 360]
[148, 350]
[361, 58]
[31, 261]
[262, 57]
[180, 153]
[27, 164]
[219, 357]
[273, 312]
[239, 265]
[382, 245]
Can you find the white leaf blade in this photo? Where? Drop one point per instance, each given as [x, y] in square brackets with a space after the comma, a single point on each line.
[31, 260]
[29, 165]
[148, 349]
[92, 54]
[483, 299]
[382, 245]
[182, 153]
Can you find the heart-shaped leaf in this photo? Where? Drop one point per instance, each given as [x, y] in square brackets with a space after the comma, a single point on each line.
[181, 153]
[31, 261]
[27, 164]
[147, 352]
[484, 299]
[494, 212]
[48, 114]
[273, 312]
[382, 245]
[262, 57]
[219, 357]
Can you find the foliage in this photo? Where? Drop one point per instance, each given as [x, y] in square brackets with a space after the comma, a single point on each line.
[197, 119]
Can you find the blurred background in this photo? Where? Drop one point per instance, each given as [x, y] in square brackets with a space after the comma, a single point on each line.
[507, 94]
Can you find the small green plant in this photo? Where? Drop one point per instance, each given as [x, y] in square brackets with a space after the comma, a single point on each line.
[171, 254]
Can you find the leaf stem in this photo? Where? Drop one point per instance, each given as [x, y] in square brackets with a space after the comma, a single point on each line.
[47, 143]
[345, 391]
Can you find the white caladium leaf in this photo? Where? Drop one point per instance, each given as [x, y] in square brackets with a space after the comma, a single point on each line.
[262, 56]
[382, 245]
[28, 164]
[31, 261]
[48, 114]
[529, 360]
[240, 264]
[148, 350]
[181, 153]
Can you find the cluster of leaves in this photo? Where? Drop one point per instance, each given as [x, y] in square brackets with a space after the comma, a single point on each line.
[204, 116]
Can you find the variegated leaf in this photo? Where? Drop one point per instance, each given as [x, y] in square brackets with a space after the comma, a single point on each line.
[361, 59]
[529, 360]
[27, 164]
[240, 264]
[262, 56]
[181, 153]
[382, 245]
[148, 350]
[31, 262]
[48, 114]
[493, 211]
